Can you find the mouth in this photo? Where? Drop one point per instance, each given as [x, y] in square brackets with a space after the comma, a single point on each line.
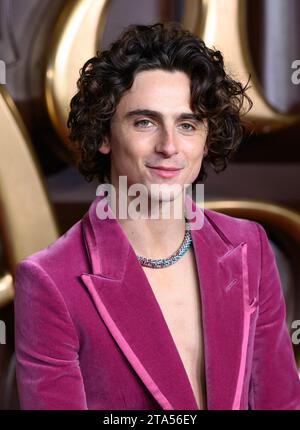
[165, 172]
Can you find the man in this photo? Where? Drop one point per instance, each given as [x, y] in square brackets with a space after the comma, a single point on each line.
[149, 312]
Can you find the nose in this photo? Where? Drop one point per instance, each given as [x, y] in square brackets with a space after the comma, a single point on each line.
[166, 143]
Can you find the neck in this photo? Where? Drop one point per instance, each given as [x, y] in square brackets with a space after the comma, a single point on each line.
[155, 238]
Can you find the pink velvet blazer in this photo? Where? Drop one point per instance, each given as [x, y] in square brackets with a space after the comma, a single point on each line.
[90, 333]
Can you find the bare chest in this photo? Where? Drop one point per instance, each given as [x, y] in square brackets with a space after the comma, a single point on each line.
[177, 292]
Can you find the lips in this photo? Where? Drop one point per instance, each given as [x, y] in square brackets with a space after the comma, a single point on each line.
[165, 172]
[165, 168]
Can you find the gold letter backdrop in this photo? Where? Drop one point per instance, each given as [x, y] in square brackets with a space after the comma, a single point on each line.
[27, 219]
[221, 23]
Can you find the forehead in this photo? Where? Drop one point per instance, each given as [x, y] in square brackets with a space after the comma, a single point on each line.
[159, 90]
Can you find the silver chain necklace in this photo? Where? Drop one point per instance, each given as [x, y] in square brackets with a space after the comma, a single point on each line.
[165, 262]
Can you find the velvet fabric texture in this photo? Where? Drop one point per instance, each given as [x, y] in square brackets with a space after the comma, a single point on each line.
[90, 333]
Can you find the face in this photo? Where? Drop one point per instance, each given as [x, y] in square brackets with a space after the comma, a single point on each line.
[153, 127]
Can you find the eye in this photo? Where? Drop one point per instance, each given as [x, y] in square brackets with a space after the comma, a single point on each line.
[143, 123]
[187, 126]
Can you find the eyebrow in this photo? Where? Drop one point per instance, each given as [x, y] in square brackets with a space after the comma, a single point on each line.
[158, 115]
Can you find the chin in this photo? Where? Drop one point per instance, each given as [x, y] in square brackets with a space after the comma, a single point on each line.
[166, 193]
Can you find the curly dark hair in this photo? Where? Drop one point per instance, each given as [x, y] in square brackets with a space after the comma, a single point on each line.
[104, 78]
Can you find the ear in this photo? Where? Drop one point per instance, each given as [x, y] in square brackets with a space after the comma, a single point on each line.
[104, 148]
[205, 151]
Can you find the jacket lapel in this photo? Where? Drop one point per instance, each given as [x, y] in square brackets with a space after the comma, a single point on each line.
[224, 290]
[126, 303]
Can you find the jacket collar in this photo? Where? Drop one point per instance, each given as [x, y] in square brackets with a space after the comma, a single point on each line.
[126, 303]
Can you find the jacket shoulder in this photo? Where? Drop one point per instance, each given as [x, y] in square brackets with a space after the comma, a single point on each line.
[234, 228]
[65, 251]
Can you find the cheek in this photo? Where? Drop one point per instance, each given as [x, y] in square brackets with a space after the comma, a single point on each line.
[127, 156]
[196, 154]
[130, 145]
[121, 149]
[194, 170]
[195, 160]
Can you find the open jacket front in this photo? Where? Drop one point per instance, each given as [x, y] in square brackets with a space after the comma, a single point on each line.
[90, 333]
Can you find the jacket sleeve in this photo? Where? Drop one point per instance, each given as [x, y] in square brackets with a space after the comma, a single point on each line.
[274, 381]
[47, 365]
